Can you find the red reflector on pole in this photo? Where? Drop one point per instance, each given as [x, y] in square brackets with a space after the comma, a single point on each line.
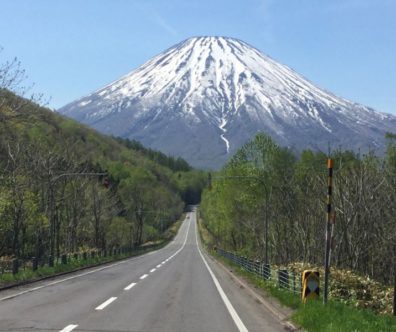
[330, 163]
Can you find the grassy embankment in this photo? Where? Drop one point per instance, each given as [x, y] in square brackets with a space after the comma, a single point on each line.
[26, 275]
[313, 316]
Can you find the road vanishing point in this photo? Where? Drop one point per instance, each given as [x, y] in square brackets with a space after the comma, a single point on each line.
[177, 288]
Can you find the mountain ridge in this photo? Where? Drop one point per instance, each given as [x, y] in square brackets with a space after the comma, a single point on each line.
[206, 96]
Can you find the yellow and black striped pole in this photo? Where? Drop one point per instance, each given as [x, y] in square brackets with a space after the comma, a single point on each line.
[328, 230]
[394, 294]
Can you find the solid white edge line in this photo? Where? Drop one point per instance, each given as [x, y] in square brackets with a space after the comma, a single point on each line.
[237, 320]
[143, 276]
[74, 277]
[130, 286]
[89, 272]
[69, 328]
[106, 303]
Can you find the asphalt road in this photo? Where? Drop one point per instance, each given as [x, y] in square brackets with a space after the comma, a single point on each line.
[177, 288]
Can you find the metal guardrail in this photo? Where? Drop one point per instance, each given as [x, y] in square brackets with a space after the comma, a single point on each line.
[14, 266]
[282, 278]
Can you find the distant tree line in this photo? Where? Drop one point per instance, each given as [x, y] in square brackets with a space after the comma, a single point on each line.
[190, 181]
[175, 164]
[268, 204]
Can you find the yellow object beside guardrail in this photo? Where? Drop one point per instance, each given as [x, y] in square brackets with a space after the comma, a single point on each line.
[310, 285]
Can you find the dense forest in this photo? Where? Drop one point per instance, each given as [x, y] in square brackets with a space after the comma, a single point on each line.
[270, 205]
[190, 181]
[175, 164]
[65, 187]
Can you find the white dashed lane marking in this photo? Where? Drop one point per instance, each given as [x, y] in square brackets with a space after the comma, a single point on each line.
[69, 328]
[130, 286]
[106, 303]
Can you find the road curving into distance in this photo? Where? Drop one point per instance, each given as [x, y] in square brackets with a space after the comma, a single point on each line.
[177, 288]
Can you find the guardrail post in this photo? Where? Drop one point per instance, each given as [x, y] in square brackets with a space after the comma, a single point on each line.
[283, 279]
[15, 266]
[257, 267]
[51, 261]
[64, 259]
[34, 263]
[266, 271]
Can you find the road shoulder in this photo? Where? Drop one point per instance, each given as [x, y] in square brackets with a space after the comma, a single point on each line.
[252, 300]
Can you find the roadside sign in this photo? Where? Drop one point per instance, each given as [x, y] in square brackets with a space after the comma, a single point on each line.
[310, 285]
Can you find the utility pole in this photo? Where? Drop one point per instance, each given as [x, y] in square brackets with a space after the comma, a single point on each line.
[328, 230]
[394, 279]
[394, 292]
[266, 233]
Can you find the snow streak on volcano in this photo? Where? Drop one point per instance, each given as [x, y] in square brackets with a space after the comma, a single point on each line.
[206, 96]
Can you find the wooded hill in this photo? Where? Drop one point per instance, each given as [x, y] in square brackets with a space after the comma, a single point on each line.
[269, 205]
[65, 187]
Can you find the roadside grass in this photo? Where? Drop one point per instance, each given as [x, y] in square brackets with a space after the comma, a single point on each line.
[312, 316]
[73, 264]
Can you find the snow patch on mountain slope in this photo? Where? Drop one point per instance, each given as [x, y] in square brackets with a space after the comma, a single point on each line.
[222, 125]
[230, 91]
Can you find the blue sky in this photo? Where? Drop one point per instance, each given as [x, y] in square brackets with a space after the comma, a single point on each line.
[71, 48]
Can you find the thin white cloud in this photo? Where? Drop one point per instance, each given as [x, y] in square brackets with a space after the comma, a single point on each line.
[151, 14]
[266, 15]
[163, 24]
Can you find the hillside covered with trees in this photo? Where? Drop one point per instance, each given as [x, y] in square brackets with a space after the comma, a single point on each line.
[269, 205]
[65, 187]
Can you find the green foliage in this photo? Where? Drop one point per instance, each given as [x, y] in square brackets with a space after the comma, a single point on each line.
[175, 164]
[338, 317]
[64, 186]
[191, 184]
[391, 153]
[313, 316]
[118, 232]
[268, 205]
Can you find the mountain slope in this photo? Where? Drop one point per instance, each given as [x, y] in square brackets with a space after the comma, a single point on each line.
[204, 97]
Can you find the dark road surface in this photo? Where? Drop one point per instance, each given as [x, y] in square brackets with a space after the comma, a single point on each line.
[177, 288]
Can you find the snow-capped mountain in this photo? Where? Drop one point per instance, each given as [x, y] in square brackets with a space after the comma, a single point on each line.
[205, 97]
